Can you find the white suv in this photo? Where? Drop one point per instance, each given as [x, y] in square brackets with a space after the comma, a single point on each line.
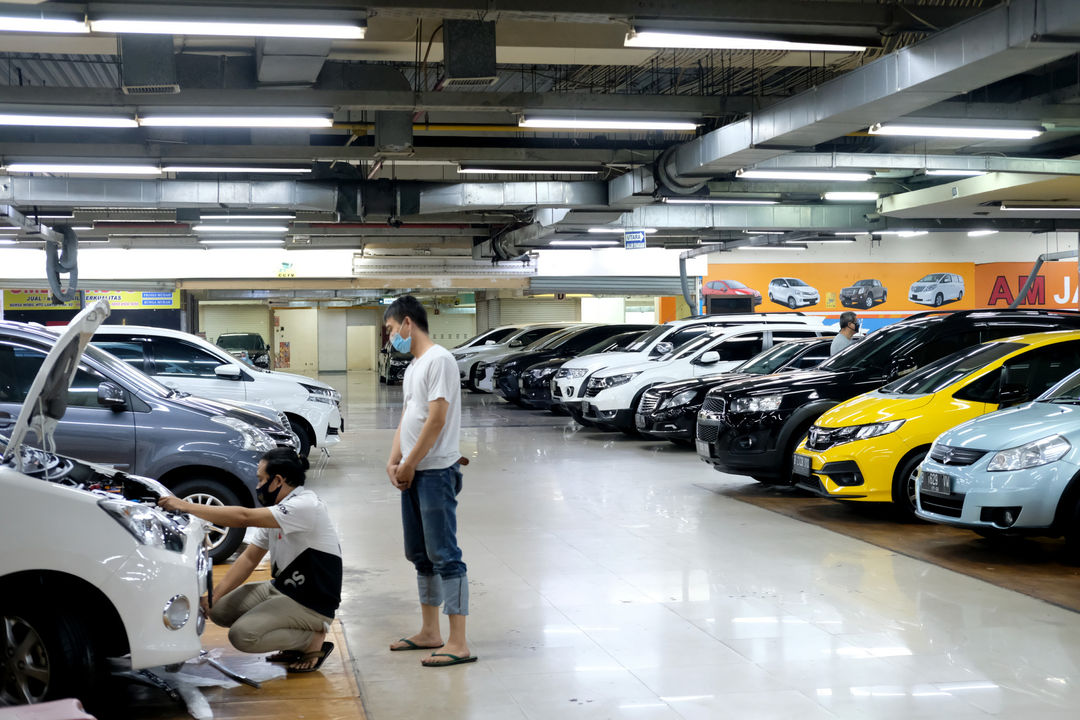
[90, 568]
[936, 289]
[611, 395]
[792, 292]
[187, 362]
[469, 358]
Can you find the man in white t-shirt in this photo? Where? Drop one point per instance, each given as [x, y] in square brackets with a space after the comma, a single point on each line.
[292, 612]
[425, 466]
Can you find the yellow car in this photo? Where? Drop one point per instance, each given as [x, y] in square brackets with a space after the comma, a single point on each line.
[869, 448]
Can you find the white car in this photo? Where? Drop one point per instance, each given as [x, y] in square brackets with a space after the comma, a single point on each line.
[488, 337]
[792, 292]
[484, 373]
[936, 289]
[468, 358]
[611, 395]
[188, 363]
[90, 568]
[569, 382]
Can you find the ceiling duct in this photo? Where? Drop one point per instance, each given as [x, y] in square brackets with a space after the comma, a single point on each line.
[1009, 39]
[289, 62]
[148, 65]
[462, 197]
[469, 54]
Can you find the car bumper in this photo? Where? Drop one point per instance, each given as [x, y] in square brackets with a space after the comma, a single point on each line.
[396, 375]
[843, 473]
[923, 298]
[484, 379]
[676, 425]
[620, 418]
[746, 447]
[538, 396]
[978, 497]
[506, 387]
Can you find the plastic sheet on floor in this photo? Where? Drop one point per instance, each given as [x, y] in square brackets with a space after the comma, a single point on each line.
[196, 674]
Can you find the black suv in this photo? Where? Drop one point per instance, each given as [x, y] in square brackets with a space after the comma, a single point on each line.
[670, 410]
[566, 344]
[752, 427]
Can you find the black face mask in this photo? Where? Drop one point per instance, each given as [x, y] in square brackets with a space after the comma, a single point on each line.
[265, 495]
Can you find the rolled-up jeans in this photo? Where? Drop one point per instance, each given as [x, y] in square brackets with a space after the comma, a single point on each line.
[429, 519]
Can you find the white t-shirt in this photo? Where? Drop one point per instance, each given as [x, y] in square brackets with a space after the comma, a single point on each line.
[305, 554]
[432, 376]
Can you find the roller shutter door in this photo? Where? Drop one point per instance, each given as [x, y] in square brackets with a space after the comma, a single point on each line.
[662, 286]
[514, 311]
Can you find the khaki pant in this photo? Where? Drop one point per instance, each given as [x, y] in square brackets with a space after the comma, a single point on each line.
[261, 619]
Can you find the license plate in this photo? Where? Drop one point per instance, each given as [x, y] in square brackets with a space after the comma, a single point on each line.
[800, 464]
[639, 420]
[702, 448]
[935, 483]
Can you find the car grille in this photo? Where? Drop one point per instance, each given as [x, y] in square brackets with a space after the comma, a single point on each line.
[592, 391]
[282, 438]
[649, 401]
[959, 456]
[821, 438]
[707, 433]
[948, 506]
[713, 404]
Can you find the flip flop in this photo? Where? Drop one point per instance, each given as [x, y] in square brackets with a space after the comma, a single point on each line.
[319, 655]
[410, 645]
[285, 656]
[454, 660]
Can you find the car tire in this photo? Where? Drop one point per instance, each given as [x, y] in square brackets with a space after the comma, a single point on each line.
[903, 488]
[939, 300]
[884, 297]
[224, 541]
[302, 434]
[792, 302]
[56, 642]
[869, 302]
[960, 296]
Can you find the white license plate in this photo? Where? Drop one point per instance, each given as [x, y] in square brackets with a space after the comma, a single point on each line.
[702, 448]
[639, 420]
[934, 483]
[800, 464]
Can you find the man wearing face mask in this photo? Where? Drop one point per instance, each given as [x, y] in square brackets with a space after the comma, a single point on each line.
[425, 465]
[290, 614]
[849, 325]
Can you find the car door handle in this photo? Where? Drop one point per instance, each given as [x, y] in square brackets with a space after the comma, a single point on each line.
[6, 420]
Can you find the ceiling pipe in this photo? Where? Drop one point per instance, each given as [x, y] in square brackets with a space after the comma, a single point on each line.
[684, 280]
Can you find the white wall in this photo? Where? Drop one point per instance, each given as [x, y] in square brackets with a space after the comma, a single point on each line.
[300, 328]
[333, 338]
[603, 310]
[450, 328]
[215, 319]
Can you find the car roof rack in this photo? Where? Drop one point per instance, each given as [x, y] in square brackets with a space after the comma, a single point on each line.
[965, 313]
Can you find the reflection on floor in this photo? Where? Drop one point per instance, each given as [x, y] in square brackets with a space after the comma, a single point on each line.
[607, 582]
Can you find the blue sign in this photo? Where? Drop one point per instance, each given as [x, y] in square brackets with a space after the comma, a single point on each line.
[634, 239]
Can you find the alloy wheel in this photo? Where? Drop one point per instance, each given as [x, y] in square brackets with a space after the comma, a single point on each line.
[24, 663]
[216, 533]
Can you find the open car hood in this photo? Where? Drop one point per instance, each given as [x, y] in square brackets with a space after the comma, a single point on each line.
[46, 401]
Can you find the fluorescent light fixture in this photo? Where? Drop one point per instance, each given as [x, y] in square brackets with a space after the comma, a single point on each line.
[851, 196]
[829, 240]
[661, 39]
[1040, 208]
[93, 241]
[981, 233]
[82, 227]
[283, 216]
[86, 121]
[525, 171]
[764, 232]
[235, 169]
[956, 173]
[10, 231]
[855, 233]
[803, 175]
[585, 243]
[715, 201]
[902, 233]
[241, 228]
[620, 231]
[339, 31]
[238, 121]
[974, 133]
[43, 25]
[556, 123]
[771, 247]
[242, 241]
[83, 169]
[8, 241]
[52, 216]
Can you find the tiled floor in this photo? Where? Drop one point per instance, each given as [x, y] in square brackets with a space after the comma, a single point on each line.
[608, 581]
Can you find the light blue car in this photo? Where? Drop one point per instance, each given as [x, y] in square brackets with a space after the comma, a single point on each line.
[1016, 471]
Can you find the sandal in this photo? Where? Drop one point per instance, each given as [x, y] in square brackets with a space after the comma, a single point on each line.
[319, 656]
[410, 645]
[285, 656]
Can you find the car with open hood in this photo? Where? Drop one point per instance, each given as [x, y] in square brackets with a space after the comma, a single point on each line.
[193, 365]
[90, 567]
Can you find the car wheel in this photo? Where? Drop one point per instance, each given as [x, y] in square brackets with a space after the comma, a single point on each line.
[868, 302]
[792, 303]
[46, 653]
[305, 440]
[903, 490]
[960, 296]
[939, 300]
[884, 297]
[223, 541]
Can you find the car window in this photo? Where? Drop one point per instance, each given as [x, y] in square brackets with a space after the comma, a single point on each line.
[876, 351]
[983, 390]
[946, 343]
[236, 342]
[782, 335]
[130, 351]
[19, 365]
[1037, 371]
[775, 357]
[740, 347]
[939, 375]
[735, 285]
[813, 358]
[680, 338]
[177, 358]
[530, 336]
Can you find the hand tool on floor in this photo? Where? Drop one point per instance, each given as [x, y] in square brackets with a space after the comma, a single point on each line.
[204, 656]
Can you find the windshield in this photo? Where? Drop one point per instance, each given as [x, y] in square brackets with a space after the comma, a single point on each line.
[691, 347]
[735, 284]
[1066, 391]
[136, 378]
[775, 357]
[796, 282]
[933, 278]
[865, 283]
[950, 369]
[241, 341]
[619, 343]
[649, 338]
[552, 340]
[875, 351]
[493, 336]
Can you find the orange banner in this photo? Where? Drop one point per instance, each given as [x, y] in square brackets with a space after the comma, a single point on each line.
[1055, 287]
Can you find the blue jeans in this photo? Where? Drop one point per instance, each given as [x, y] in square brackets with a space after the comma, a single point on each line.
[429, 519]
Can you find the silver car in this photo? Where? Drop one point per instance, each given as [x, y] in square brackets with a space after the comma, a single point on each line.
[1016, 471]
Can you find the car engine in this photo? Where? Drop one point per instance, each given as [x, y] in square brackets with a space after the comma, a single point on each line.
[72, 473]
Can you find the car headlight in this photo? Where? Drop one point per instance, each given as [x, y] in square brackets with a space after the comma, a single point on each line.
[539, 373]
[146, 523]
[250, 437]
[611, 381]
[760, 403]
[571, 373]
[862, 432]
[322, 394]
[1033, 454]
[465, 356]
[684, 398]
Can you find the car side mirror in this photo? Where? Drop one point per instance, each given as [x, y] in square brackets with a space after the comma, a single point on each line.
[1013, 394]
[111, 395]
[662, 348]
[227, 372]
[901, 367]
[490, 342]
[710, 358]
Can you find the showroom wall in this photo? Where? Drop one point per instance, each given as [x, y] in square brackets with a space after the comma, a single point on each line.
[216, 318]
[451, 326]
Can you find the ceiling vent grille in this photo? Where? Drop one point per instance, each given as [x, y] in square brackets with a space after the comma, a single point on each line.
[148, 65]
[469, 54]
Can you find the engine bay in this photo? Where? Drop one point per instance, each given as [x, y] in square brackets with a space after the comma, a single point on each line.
[64, 471]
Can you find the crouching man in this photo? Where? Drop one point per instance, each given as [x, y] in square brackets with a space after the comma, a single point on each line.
[290, 614]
